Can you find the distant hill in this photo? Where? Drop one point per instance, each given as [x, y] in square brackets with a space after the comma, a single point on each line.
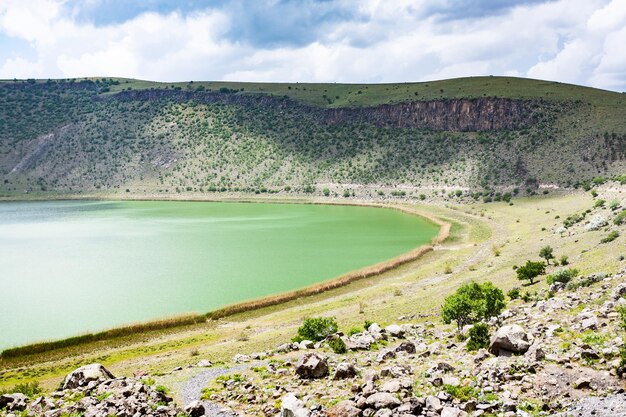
[126, 136]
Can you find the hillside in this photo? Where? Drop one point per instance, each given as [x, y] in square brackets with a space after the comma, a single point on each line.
[137, 138]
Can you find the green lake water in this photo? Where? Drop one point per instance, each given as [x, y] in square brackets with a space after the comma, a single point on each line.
[68, 267]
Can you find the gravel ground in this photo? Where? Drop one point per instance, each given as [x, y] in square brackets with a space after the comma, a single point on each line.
[611, 406]
[192, 389]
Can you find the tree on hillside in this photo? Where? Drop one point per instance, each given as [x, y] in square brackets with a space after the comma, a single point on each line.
[472, 303]
[546, 253]
[530, 271]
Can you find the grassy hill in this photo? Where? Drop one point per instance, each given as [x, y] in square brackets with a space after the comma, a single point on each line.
[132, 137]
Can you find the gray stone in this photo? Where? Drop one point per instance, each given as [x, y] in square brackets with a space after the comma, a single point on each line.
[452, 412]
[13, 402]
[291, 406]
[312, 365]
[195, 409]
[85, 374]
[344, 408]
[383, 400]
[395, 330]
[511, 338]
[345, 370]
[433, 403]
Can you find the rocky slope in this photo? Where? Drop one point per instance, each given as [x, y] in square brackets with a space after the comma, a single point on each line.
[62, 137]
[551, 355]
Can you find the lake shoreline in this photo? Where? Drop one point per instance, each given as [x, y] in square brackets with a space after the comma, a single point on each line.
[245, 306]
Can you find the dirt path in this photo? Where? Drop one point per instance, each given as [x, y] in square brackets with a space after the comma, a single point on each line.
[192, 388]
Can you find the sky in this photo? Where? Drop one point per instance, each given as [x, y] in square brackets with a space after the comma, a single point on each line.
[373, 41]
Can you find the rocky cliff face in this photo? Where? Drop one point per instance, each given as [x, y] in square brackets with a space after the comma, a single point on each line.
[455, 115]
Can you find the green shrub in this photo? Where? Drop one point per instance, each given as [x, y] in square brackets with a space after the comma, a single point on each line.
[478, 337]
[354, 330]
[463, 393]
[316, 329]
[530, 271]
[546, 253]
[564, 260]
[599, 203]
[30, 389]
[367, 324]
[564, 276]
[337, 345]
[620, 218]
[514, 293]
[473, 302]
[611, 237]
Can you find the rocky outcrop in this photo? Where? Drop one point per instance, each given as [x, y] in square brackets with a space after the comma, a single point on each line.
[93, 391]
[84, 375]
[509, 339]
[456, 115]
[312, 366]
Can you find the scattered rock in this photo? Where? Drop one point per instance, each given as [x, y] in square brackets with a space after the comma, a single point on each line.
[511, 338]
[13, 402]
[291, 406]
[345, 370]
[195, 409]
[311, 366]
[383, 400]
[344, 408]
[582, 383]
[85, 374]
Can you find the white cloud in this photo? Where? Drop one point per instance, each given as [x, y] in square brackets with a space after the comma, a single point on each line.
[579, 41]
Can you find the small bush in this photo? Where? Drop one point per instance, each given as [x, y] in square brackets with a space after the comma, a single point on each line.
[620, 218]
[337, 345]
[564, 260]
[367, 324]
[463, 393]
[316, 329]
[564, 276]
[30, 389]
[353, 331]
[514, 293]
[478, 337]
[611, 237]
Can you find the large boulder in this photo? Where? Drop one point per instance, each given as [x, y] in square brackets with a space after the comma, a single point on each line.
[85, 374]
[345, 370]
[344, 408]
[291, 406]
[195, 409]
[311, 366]
[360, 341]
[13, 402]
[509, 339]
[383, 400]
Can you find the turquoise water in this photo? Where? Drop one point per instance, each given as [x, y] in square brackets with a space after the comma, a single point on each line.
[75, 266]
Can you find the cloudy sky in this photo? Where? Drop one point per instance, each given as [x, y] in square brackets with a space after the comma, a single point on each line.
[578, 41]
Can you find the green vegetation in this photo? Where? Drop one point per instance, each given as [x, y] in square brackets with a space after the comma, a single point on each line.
[478, 337]
[530, 271]
[30, 389]
[611, 237]
[514, 293]
[337, 345]
[546, 253]
[316, 329]
[121, 136]
[471, 303]
[564, 276]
